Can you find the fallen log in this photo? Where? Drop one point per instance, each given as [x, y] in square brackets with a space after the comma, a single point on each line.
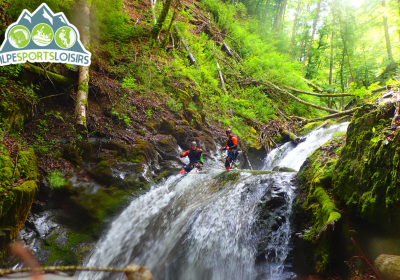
[56, 78]
[322, 125]
[311, 84]
[379, 89]
[388, 266]
[269, 84]
[298, 118]
[302, 101]
[191, 57]
[318, 94]
[348, 112]
[296, 140]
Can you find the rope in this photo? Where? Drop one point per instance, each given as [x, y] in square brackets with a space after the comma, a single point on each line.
[53, 269]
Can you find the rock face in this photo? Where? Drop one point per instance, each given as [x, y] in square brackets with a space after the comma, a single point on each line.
[349, 189]
[388, 266]
[18, 191]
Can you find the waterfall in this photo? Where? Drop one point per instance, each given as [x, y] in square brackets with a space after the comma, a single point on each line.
[210, 224]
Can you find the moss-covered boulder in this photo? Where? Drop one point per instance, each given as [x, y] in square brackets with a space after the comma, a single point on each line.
[367, 175]
[16, 200]
[316, 213]
[14, 209]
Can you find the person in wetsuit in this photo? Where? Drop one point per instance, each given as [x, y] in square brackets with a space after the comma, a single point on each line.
[195, 156]
[231, 146]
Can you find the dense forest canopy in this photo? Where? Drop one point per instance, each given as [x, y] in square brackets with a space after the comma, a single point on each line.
[245, 57]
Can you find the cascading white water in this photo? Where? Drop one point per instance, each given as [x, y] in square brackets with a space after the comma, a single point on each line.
[289, 155]
[207, 225]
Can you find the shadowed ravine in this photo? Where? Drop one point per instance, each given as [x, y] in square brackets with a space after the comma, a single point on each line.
[211, 224]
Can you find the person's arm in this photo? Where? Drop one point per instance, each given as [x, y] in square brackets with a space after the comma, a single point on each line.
[201, 157]
[226, 146]
[183, 154]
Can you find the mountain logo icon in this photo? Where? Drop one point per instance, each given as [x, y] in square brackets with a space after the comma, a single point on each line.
[43, 37]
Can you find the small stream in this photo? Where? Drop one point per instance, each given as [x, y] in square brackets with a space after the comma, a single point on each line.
[211, 224]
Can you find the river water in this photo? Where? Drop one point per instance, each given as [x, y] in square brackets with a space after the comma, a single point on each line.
[211, 224]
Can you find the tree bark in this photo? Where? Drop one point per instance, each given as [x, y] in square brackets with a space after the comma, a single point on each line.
[312, 36]
[318, 94]
[83, 89]
[387, 37]
[295, 26]
[155, 31]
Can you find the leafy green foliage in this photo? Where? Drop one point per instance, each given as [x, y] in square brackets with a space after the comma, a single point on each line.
[56, 179]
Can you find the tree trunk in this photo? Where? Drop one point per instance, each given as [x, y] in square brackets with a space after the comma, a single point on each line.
[279, 18]
[318, 94]
[388, 266]
[83, 89]
[388, 46]
[312, 35]
[317, 88]
[166, 39]
[300, 100]
[302, 44]
[347, 112]
[341, 72]
[191, 57]
[152, 4]
[331, 60]
[292, 136]
[348, 58]
[295, 26]
[155, 31]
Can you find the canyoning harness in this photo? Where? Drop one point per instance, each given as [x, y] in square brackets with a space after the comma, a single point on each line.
[195, 160]
[194, 155]
[232, 147]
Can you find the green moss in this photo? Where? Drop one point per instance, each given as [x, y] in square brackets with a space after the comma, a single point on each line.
[14, 209]
[66, 254]
[102, 172]
[27, 164]
[72, 153]
[142, 152]
[367, 173]
[150, 126]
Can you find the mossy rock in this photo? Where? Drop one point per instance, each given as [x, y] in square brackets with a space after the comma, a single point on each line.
[283, 169]
[142, 152]
[117, 145]
[367, 172]
[167, 127]
[72, 153]
[27, 164]
[7, 168]
[14, 209]
[102, 172]
[15, 114]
